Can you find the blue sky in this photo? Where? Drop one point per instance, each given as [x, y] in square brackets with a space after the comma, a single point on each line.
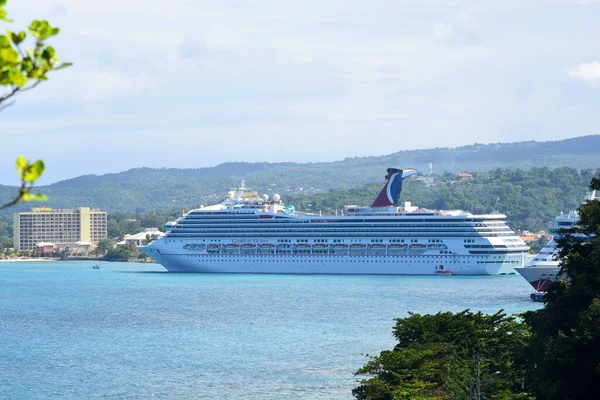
[193, 83]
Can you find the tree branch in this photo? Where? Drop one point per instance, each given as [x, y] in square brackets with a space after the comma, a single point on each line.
[16, 91]
[7, 105]
[32, 86]
[16, 199]
[11, 94]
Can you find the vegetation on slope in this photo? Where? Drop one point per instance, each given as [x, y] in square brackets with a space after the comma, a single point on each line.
[530, 199]
[551, 354]
[144, 189]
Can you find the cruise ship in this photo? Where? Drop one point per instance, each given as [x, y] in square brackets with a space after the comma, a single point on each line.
[544, 268]
[247, 233]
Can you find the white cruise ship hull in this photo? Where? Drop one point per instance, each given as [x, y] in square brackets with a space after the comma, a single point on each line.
[329, 264]
[248, 234]
[539, 277]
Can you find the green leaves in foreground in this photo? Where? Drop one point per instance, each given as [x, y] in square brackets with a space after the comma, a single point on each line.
[29, 174]
[3, 11]
[22, 68]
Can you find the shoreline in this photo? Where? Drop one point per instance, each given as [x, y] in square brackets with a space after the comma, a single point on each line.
[44, 259]
[52, 259]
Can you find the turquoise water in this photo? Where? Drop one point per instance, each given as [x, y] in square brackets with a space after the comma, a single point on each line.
[132, 331]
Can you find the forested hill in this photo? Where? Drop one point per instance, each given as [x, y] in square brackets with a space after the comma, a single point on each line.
[146, 189]
[530, 198]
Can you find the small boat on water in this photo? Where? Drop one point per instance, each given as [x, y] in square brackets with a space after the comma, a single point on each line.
[443, 272]
[537, 296]
[96, 266]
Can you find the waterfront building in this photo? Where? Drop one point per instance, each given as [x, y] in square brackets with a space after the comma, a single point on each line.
[58, 226]
[138, 239]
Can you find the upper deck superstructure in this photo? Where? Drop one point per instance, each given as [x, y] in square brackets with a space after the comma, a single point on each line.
[248, 233]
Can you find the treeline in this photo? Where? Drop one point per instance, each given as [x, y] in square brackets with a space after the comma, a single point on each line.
[6, 231]
[120, 224]
[143, 190]
[529, 198]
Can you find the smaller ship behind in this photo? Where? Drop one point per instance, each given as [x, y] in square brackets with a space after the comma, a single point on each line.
[544, 268]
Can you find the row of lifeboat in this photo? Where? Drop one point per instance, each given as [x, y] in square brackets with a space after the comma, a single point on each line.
[354, 248]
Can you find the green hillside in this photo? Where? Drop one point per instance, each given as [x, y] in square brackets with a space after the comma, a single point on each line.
[529, 198]
[146, 189]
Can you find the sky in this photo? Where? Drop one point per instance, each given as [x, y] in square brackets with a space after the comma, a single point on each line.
[194, 83]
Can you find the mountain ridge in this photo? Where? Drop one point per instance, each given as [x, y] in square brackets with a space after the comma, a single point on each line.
[161, 189]
[588, 144]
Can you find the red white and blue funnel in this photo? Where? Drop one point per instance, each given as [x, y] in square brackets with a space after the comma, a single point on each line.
[390, 193]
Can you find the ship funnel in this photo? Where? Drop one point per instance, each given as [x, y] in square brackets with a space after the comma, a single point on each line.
[390, 194]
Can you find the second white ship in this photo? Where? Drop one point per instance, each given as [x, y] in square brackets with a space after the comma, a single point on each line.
[544, 268]
[250, 234]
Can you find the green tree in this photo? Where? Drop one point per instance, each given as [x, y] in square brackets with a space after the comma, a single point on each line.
[119, 253]
[536, 245]
[438, 355]
[22, 68]
[65, 252]
[104, 246]
[565, 345]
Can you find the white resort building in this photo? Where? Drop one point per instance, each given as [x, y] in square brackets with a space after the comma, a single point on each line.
[147, 234]
[59, 227]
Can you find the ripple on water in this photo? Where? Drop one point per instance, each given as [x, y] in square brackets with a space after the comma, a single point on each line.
[71, 332]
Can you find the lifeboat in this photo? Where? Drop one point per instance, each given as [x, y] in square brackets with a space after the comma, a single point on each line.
[213, 248]
[377, 248]
[231, 248]
[417, 247]
[358, 248]
[302, 248]
[340, 248]
[248, 248]
[266, 248]
[321, 248]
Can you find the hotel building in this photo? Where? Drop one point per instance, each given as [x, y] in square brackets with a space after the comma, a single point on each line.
[59, 226]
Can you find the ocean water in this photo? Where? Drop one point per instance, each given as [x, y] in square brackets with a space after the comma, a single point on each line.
[132, 331]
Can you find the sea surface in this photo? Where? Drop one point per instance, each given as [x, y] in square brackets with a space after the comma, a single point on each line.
[133, 331]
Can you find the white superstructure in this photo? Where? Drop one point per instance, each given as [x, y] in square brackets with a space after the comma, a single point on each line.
[250, 234]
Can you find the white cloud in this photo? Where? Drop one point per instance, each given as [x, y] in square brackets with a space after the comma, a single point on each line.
[443, 31]
[335, 79]
[586, 72]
